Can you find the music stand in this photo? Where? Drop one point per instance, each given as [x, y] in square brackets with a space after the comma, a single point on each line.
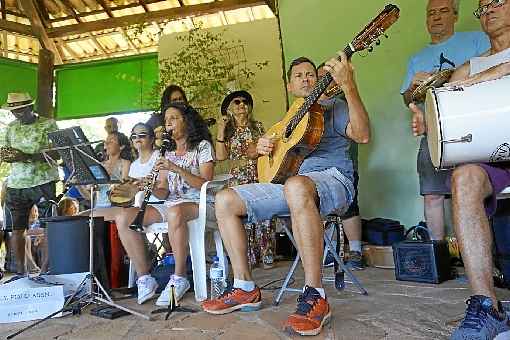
[77, 153]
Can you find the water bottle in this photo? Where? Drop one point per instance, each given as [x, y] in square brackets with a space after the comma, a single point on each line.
[216, 276]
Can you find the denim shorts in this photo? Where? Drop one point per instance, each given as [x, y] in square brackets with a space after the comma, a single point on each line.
[265, 200]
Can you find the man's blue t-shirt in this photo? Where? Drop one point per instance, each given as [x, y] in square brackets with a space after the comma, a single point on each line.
[333, 149]
[458, 49]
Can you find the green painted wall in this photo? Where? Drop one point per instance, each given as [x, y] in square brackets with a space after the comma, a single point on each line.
[17, 76]
[389, 183]
[261, 42]
[105, 87]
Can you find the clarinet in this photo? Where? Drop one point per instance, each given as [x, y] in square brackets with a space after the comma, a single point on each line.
[137, 224]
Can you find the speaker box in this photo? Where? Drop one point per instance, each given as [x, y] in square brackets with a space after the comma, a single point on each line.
[422, 261]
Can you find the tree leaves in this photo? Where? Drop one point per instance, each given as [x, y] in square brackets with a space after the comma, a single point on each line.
[208, 66]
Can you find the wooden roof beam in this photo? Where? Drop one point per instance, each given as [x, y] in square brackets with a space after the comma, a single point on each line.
[106, 8]
[30, 10]
[14, 27]
[144, 5]
[170, 13]
[113, 9]
[4, 14]
[71, 9]
[273, 4]
[43, 12]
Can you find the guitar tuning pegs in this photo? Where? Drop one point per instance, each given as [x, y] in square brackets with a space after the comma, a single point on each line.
[370, 49]
[378, 42]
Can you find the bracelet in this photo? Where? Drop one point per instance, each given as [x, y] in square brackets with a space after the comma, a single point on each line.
[220, 141]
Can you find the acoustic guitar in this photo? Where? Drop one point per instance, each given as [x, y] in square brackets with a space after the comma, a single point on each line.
[300, 131]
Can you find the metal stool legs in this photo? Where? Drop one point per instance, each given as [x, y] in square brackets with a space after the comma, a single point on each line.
[329, 247]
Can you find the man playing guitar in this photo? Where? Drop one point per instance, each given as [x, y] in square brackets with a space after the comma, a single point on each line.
[446, 50]
[322, 186]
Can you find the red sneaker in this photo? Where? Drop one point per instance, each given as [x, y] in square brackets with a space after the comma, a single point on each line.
[235, 299]
[311, 314]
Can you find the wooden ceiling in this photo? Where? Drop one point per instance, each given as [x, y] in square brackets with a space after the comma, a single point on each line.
[82, 30]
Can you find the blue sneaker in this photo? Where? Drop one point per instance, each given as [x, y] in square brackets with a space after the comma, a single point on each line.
[482, 321]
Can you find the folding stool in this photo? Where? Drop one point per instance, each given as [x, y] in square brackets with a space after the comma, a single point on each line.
[330, 222]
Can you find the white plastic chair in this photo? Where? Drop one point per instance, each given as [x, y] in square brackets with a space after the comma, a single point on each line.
[196, 229]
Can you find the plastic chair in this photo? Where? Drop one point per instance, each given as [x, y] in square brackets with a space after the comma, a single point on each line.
[196, 230]
[330, 222]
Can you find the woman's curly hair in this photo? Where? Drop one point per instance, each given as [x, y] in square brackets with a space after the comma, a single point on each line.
[196, 127]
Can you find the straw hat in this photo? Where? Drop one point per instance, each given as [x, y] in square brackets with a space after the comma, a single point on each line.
[17, 100]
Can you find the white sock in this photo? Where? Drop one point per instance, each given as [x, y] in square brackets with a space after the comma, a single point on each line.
[355, 246]
[144, 277]
[179, 278]
[247, 286]
[320, 290]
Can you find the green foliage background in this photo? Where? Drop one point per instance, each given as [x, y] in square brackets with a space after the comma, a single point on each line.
[207, 66]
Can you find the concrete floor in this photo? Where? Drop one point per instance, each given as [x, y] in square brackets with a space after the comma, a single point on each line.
[392, 310]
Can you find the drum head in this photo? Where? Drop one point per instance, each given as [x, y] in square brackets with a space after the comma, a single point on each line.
[434, 134]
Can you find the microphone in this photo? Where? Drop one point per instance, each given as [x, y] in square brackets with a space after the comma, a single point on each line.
[210, 121]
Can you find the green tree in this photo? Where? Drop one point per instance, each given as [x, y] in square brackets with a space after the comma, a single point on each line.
[207, 66]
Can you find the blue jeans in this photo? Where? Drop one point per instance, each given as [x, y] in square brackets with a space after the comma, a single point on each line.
[265, 200]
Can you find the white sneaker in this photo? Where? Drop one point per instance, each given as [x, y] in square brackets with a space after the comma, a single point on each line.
[147, 287]
[181, 287]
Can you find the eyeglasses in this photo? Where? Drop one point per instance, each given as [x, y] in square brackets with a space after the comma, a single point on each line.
[139, 136]
[482, 10]
[239, 101]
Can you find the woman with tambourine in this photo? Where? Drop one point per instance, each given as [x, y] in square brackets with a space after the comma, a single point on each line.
[186, 166]
[117, 165]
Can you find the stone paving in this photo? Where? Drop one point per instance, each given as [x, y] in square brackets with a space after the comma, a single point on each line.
[392, 310]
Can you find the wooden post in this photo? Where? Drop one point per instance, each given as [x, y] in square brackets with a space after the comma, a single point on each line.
[45, 83]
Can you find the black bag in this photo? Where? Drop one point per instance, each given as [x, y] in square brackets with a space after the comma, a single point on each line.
[382, 231]
[422, 259]
[501, 228]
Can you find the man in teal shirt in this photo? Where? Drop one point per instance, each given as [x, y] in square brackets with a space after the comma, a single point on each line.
[31, 180]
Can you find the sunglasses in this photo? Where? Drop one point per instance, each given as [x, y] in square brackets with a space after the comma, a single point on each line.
[482, 10]
[239, 101]
[139, 136]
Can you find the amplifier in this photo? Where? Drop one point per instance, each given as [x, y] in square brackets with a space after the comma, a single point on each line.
[422, 261]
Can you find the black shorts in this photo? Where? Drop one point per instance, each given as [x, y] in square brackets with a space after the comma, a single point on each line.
[19, 202]
[353, 208]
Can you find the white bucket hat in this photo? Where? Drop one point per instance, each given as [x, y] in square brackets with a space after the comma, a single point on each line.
[16, 100]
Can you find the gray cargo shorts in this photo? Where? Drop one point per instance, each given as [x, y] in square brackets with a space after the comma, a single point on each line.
[265, 200]
[432, 182]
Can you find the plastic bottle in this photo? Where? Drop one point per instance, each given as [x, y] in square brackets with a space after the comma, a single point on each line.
[216, 276]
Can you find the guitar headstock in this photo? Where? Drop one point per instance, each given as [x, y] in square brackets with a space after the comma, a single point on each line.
[375, 29]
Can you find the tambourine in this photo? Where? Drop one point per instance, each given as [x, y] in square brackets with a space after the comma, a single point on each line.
[434, 80]
[123, 196]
